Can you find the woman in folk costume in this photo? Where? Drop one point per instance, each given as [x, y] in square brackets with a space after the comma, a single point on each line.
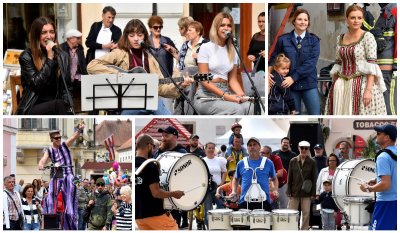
[358, 85]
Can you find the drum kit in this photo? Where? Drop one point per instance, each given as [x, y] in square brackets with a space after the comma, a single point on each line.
[346, 189]
[189, 173]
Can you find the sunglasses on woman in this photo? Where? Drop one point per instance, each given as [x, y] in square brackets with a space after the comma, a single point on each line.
[157, 27]
[303, 148]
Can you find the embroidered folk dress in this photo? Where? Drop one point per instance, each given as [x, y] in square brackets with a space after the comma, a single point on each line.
[354, 62]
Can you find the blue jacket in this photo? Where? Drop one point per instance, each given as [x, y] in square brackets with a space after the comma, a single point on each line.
[279, 99]
[303, 64]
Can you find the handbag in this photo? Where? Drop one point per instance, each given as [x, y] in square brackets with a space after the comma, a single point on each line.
[307, 184]
[20, 215]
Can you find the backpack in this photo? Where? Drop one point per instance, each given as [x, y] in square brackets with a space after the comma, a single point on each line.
[391, 153]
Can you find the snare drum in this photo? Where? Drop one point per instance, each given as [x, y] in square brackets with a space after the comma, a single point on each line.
[260, 219]
[219, 219]
[176, 173]
[240, 218]
[355, 209]
[285, 219]
[344, 186]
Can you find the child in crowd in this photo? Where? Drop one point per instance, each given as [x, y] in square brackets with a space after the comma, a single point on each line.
[329, 208]
[280, 101]
[236, 130]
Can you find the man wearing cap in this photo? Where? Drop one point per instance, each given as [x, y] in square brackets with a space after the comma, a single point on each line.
[384, 216]
[100, 207]
[169, 142]
[319, 157]
[264, 169]
[149, 209]
[302, 168]
[193, 146]
[77, 65]
[60, 155]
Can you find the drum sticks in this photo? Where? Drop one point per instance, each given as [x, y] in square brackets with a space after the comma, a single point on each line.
[202, 185]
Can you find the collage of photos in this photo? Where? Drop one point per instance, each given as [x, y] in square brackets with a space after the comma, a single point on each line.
[182, 86]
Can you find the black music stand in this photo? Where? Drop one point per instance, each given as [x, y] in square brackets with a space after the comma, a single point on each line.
[121, 93]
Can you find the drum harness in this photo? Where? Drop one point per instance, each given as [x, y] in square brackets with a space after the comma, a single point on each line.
[255, 193]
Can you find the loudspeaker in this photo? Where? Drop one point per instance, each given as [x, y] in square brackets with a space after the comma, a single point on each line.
[305, 131]
[51, 221]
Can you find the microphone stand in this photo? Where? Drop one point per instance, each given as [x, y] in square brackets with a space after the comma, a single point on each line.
[257, 98]
[65, 84]
[172, 80]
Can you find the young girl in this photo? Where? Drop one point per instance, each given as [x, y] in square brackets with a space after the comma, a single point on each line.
[280, 101]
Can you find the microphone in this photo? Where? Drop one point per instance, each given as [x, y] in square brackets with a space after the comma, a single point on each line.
[53, 45]
[228, 34]
[144, 45]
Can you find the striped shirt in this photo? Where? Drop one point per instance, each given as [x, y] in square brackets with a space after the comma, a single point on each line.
[30, 211]
[124, 217]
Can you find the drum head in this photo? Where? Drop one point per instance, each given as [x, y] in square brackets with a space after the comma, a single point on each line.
[344, 185]
[285, 212]
[188, 174]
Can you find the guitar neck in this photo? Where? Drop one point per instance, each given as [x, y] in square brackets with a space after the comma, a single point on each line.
[168, 80]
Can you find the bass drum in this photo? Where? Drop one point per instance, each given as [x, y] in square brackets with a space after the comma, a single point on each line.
[184, 172]
[346, 181]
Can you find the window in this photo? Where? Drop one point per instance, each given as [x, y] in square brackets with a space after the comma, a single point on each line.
[335, 9]
[29, 123]
[52, 124]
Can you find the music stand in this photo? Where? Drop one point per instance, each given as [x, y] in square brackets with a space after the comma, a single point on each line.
[120, 91]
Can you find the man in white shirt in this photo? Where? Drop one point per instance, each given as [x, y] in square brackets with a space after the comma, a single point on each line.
[103, 35]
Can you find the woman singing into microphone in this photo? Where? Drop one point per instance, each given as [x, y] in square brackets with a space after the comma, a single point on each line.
[223, 95]
[130, 54]
[42, 71]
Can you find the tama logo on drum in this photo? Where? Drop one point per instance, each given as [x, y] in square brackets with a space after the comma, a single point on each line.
[182, 167]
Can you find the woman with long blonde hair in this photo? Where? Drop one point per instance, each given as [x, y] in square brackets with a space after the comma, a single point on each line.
[223, 95]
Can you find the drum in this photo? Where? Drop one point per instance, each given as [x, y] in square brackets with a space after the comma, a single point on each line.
[240, 218]
[219, 219]
[184, 172]
[355, 209]
[343, 183]
[285, 219]
[260, 219]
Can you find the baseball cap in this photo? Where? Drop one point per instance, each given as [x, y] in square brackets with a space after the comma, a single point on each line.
[327, 181]
[318, 146]
[304, 143]
[100, 180]
[73, 33]
[169, 130]
[388, 129]
[254, 139]
[194, 136]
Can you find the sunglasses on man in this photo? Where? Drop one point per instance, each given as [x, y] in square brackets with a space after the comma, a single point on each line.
[100, 184]
[57, 138]
[157, 27]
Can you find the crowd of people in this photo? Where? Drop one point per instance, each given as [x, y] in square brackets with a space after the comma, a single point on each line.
[361, 76]
[51, 73]
[76, 203]
[110, 206]
[287, 180]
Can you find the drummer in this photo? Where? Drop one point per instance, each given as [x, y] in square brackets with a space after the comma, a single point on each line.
[149, 210]
[384, 216]
[244, 172]
[169, 142]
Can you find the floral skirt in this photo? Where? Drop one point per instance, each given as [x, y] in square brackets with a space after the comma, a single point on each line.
[346, 98]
